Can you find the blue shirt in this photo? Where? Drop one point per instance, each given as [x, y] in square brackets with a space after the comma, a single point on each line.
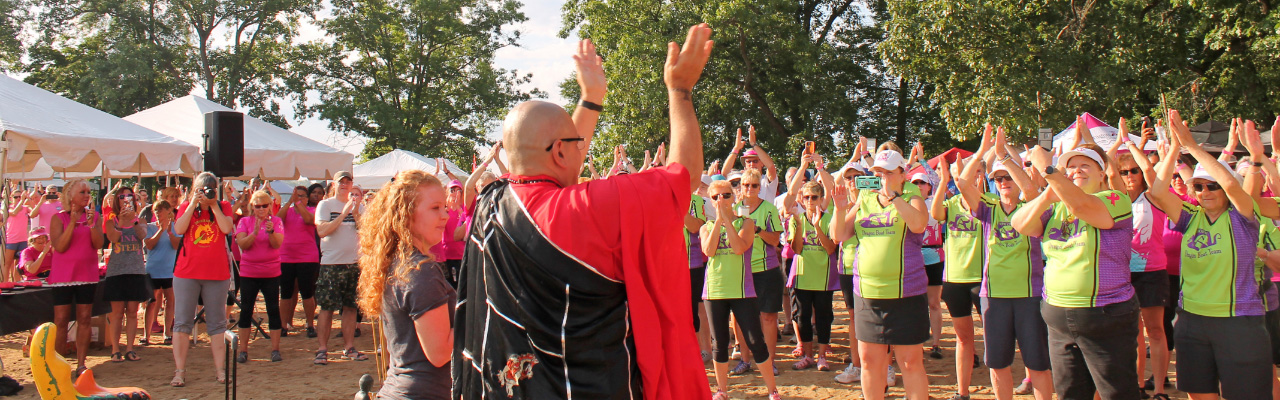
[160, 259]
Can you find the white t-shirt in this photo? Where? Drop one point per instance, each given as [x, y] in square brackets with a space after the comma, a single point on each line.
[768, 189]
[343, 245]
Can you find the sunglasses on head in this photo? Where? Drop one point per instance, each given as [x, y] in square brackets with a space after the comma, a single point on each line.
[725, 196]
[751, 185]
[1211, 186]
[812, 197]
[1131, 171]
[1002, 178]
[261, 206]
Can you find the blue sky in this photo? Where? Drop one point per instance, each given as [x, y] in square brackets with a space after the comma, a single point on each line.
[541, 53]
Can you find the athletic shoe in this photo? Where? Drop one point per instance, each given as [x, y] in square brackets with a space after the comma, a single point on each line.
[353, 355]
[1150, 384]
[804, 363]
[275, 356]
[311, 332]
[242, 358]
[774, 395]
[706, 357]
[892, 378]
[959, 396]
[742, 368]
[1024, 388]
[822, 364]
[850, 374]
[935, 353]
[735, 355]
[720, 395]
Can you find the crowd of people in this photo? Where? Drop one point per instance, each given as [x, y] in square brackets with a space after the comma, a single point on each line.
[548, 280]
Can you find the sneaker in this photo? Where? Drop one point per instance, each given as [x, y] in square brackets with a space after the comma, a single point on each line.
[720, 395]
[959, 396]
[850, 374]
[1150, 384]
[775, 370]
[357, 331]
[742, 368]
[311, 332]
[735, 355]
[276, 357]
[706, 357]
[242, 358]
[935, 353]
[284, 332]
[804, 363]
[1024, 388]
[787, 330]
[822, 364]
[774, 395]
[892, 378]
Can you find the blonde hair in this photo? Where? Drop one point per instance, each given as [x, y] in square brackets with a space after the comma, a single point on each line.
[812, 187]
[889, 145]
[162, 193]
[717, 186]
[752, 175]
[69, 189]
[386, 248]
[260, 197]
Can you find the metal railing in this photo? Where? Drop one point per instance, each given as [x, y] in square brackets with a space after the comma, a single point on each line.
[229, 366]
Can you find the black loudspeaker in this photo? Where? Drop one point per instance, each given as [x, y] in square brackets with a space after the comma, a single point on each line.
[224, 143]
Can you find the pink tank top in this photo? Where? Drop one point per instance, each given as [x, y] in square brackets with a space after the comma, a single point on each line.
[79, 264]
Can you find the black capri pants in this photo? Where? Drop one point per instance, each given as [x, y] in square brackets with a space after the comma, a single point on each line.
[814, 314]
[697, 278]
[249, 289]
[747, 312]
[298, 278]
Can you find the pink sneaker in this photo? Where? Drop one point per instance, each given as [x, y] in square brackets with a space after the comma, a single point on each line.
[804, 363]
[822, 364]
[720, 395]
[774, 395]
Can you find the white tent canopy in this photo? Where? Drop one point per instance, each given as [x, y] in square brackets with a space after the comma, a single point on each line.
[374, 173]
[73, 137]
[270, 151]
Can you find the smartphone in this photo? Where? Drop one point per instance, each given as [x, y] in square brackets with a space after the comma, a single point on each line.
[1046, 139]
[867, 183]
[871, 146]
[809, 148]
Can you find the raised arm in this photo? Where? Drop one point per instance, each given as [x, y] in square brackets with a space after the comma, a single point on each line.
[844, 218]
[681, 72]
[1027, 219]
[793, 187]
[592, 85]
[937, 210]
[1005, 155]
[1235, 192]
[1159, 193]
[771, 170]
[732, 158]
[1233, 139]
[1113, 170]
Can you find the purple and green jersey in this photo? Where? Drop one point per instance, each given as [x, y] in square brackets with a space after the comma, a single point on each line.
[1269, 240]
[728, 275]
[965, 244]
[889, 264]
[1087, 266]
[764, 256]
[813, 268]
[691, 240]
[1219, 275]
[1013, 265]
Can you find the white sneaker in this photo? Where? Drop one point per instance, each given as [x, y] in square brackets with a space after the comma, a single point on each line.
[850, 374]
[892, 378]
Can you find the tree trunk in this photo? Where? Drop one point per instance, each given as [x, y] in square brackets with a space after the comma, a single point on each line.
[903, 99]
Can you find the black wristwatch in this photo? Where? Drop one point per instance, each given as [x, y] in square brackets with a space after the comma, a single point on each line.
[1049, 170]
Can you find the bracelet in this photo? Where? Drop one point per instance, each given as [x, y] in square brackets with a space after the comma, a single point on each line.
[1228, 152]
[590, 106]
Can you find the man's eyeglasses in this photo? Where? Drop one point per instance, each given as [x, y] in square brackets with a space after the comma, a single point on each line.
[1129, 172]
[1211, 186]
[725, 196]
[261, 206]
[582, 142]
[751, 185]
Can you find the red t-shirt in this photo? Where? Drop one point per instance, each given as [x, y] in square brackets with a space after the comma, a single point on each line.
[204, 247]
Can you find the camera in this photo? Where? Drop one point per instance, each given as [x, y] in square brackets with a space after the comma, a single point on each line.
[209, 193]
[867, 183]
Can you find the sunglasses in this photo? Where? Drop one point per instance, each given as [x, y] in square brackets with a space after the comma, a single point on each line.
[1132, 171]
[582, 142]
[733, 183]
[1002, 178]
[261, 206]
[850, 177]
[812, 198]
[725, 196]
[751, 185]
[918, 183]
[1211, 186]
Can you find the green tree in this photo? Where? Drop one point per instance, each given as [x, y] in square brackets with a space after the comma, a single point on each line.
[1028, 64]
[799, 71]
[416, 75]
[13, 13]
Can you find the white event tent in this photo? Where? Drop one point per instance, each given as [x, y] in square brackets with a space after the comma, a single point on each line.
[374, 173]
[270, 151]
[45, 130]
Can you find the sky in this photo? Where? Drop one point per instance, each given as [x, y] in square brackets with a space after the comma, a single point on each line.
[541, 52]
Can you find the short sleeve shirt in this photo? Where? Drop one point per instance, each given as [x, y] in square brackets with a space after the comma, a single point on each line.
[728, 274]
[343, 245]
[763, 255]
[17, 226]
[299, 238]
[965, 244]
[812, 268]
[1013, 267]
[1148, 237]
[409, 374]
[259, 260]
[889, 262]
[692, 242]
[160, 259]
[1219, 276]
[204, 246]
[1087, 266]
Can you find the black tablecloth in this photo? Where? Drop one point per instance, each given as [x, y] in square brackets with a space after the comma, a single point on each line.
[27, 309]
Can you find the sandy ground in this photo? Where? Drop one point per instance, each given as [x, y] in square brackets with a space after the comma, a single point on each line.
[297, 378]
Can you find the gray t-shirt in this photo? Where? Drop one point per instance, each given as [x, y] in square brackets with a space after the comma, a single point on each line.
[410, 375]
[343, 245]
[126, 257]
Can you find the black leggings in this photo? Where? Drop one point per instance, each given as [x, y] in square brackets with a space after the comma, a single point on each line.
[298, 278]
[815, 309]
[697, 277]
[249, 288]
[747, 312]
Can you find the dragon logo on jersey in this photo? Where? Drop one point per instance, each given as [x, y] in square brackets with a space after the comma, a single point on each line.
[1067, 231]
[1004, 231]
[1203, 239]
[962, 223]
[878, 220]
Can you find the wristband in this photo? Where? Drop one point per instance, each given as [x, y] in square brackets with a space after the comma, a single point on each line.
[590, 106]
[1228, 152]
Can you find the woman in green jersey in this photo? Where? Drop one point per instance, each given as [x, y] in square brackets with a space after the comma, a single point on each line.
[764, 260]
[726, 240]
[813, 277]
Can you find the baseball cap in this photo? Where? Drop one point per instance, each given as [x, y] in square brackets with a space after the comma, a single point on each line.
[454, 183]
[1201, 173]
[342, 174]
[1079, 151]
[38, 231]
[735, 175]
[999, 166]
[888, 160]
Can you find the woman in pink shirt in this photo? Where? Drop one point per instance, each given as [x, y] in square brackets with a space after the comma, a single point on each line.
[299, 260]
[76, 236]
[50, 206]
[453, 244]
[259, 236]
[21, 208]
[35, 259]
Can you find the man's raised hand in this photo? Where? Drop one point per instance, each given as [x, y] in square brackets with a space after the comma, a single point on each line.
[685, 63]
[590, 67]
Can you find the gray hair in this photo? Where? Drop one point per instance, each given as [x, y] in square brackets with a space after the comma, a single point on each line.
[204, 179]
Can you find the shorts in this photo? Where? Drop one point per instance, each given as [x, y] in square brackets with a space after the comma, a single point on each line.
[336, 286]
[74, 295]
[1006, 322]
[1093, 350]
[161, 283]
[1151, 288]
[934, 272]
[298, 278]
[18, 247]
[897, 322]
[961, 298]
[1227, 352]
[127, 288]
[1273, 334]
[769, 285]
[846, 289]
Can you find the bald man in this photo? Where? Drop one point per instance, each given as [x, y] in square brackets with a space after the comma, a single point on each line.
[582, 289]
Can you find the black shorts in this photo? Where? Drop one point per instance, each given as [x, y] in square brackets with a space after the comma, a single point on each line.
[1151, 288]
[298, 279]
[846, 289]
[1228, 352]
[1273, 333]
[934, 272]
[769, 285]
[1006, 322]
[961, 298]
[74, 295]
[897, 322]
[125, 288]
[161, 283]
